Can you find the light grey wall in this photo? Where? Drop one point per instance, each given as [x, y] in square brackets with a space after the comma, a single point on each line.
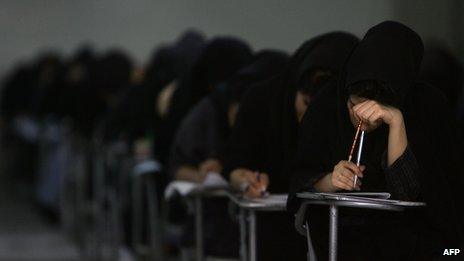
[28, 26]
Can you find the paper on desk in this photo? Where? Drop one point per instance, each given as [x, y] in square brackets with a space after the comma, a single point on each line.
[272, 199]
[214, 179]
[381, 195]
[183, 188]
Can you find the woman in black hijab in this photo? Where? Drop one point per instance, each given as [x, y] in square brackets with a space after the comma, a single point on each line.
[204, 131]
[265, 135]
[412, 150]
[264, 138]
[198, 148]
[135, 116]
[217, 62]
[443, 70]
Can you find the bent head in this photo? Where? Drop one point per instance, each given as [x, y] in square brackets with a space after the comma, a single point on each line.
[309, 86]
[369, 90]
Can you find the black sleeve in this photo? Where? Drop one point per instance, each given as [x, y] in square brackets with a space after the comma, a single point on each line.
[314, 156]
[245, 145]
[193, 141]
[402, 176]
[437, 147]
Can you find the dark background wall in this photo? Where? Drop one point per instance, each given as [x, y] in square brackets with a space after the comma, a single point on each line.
[29, 26]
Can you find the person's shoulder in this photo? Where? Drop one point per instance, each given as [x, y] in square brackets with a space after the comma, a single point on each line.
[327, 100]
[257, 98]
[427, 95]
[263, 90]
[203, 111]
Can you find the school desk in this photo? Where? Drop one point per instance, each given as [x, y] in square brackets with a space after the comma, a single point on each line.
[334, 201]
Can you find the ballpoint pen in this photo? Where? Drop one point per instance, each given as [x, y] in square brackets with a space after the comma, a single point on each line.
[355, 140]
[358, 159]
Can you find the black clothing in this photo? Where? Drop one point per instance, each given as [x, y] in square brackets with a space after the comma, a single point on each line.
[203, 134]
[443, 70]
[390, 53]
[198, 137]
[135, 116]
[218, 61]
[204, 131]
[265, 135]
[402, 177]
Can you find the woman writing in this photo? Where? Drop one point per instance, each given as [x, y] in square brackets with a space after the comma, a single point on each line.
[411, 150]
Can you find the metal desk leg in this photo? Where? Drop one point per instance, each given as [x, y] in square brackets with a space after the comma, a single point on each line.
[137, 216]
[242, 221]
[333, 240]
[156, 230]
[311, 256]
[199, 227]
[252, 231]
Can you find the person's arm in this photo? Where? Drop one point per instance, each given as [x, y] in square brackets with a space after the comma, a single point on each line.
[197, 173]
[245, 150]
[399, 164]
[397, 138]
[402, 176]
[374, 113]
[189, 173]
[210, 165]
[341, 178]
[190, 144]
[251, 183]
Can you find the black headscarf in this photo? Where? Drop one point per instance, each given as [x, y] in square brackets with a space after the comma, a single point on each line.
[265, 133]
[135, 116]
[172, 61]
[266, 63]
[264, 138]
[76, 85]
[390, 53]
[221, 58]
[443, 70]
[18, 93]
[48, 80]
[217, 62]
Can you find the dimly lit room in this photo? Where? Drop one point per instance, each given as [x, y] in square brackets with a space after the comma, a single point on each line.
[257, 130]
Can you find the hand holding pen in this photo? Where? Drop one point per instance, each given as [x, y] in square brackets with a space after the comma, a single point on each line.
[345, 174]
[257, 184]
[358, 157]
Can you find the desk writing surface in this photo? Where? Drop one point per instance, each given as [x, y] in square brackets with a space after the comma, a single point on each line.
[272, 199]
[348, 198]
[384, 195]
[273, 202]
[186, 188]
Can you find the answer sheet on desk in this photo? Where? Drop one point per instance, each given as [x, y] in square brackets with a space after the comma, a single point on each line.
[272, 199]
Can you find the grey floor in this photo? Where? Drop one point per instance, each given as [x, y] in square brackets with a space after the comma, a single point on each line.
[24, 233]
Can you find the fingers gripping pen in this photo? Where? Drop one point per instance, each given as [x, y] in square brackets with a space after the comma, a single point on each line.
[358, 159]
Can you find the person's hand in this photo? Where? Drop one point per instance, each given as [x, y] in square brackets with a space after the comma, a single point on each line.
[373, 114]
[210, 165]
[258, 183]
[342, 176]
[200, 176]
[254, 183]
[190, 173]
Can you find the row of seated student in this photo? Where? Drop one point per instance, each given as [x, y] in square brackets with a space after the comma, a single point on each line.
[341, 78]
[216, 107]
